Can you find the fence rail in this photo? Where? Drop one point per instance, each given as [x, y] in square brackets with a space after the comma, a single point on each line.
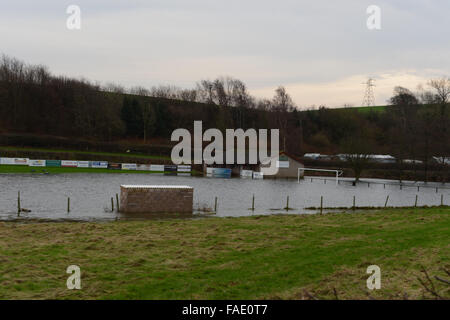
[418, 185]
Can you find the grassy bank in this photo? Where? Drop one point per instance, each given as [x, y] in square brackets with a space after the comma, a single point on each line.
[59, 170]
[134, 155]
[63, 154]
[288, 257]
[56, 170]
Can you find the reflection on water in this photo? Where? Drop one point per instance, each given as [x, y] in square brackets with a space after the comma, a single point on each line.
[90, 195]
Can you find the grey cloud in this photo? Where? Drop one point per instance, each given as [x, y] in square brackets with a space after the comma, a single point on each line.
[265, 43]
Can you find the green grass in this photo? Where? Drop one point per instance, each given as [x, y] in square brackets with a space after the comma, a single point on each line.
[56, 170]
[287, 257]
[372, 108]
[106, 154]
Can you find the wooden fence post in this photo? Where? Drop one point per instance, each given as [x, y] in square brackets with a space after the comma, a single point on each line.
[321, 204]
[18, 204]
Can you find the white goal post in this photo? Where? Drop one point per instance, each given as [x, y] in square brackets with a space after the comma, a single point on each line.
[337, 172]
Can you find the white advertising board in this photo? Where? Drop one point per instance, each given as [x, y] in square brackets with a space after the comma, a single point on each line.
[69, 163]
[143, 167]
[36, 163]
[8, 161]
[15, 161]
[157, 167]
[129, 166]
[21, 161]
[184, 168]
[83, 164]
[258, 175]
[246, 173]
[99, 164]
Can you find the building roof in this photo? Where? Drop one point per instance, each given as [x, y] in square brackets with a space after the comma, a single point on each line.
[282, 153]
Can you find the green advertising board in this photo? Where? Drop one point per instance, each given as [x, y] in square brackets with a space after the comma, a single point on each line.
[53, 163]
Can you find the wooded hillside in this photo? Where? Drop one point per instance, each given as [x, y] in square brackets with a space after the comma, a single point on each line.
[33, 101]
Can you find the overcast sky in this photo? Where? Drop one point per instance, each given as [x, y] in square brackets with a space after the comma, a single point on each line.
[321, 51]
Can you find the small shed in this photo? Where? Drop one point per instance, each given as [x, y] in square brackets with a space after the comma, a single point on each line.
[287, 165]
[156, 199]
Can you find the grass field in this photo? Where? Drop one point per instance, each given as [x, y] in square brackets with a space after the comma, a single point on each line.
[59, 170]
[372, 108]
[271, 257]
[56, 170]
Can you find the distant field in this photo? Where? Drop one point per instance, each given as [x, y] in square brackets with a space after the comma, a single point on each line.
[374, 108]
[365, 109]
[362, 109]
[270, 257]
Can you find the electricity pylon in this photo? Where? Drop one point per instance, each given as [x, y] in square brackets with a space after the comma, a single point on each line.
[369, 97]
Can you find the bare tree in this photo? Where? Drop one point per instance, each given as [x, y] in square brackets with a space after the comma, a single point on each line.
[264, 104]
[281, 105]
[239, 94]
[205, 89]
[140, 91]
[188, 95]
[164, 91]
[282, 101]
[442, 88]
[114, 87]
[222, 97]
[357, 150]
[441, 131]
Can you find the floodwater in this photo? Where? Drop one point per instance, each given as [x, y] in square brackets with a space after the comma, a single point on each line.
[90, 194]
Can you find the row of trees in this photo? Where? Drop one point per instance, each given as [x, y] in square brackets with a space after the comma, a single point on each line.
[421, 133]
[32, 100]
[415, 127]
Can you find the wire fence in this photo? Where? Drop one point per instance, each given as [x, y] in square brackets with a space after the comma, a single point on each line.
[401, 185]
